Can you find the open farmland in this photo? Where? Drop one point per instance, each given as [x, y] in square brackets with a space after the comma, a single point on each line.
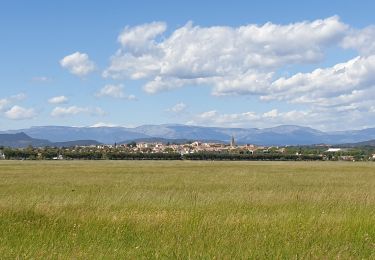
[186, 209]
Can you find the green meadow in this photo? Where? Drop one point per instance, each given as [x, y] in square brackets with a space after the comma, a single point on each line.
[186, 210]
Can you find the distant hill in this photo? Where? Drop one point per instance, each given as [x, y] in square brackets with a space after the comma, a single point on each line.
[280, 135]
[359, 144]
[21, 139]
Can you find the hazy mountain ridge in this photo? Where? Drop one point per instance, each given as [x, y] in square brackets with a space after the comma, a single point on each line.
[279, 135]
[23, 140]
[359, 144]
[68, 133]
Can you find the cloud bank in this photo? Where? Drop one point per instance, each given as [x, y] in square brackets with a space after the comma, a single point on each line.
[247, 60]
[234, 60]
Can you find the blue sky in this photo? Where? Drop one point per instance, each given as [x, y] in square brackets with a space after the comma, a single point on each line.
[214, 63]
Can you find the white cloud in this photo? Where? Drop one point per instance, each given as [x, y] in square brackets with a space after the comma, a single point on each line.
[65, 111]
[362, 40]
[58, 100]
[115, 91]
[20, 113]
[342, 84]
[75, 110]
[208, 115]
[251, 82]
[234, 60]
[3, 103]
[271, 114]
[140, 39]
[78, 64]
[8, 101]
[178, 108]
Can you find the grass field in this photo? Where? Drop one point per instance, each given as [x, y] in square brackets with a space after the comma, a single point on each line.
[186, 210]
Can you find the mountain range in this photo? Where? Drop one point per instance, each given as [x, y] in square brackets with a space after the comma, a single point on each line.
[280, 135]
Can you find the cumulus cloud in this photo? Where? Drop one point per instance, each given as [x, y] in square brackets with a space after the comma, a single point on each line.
[178, 108]
[20, 113]
[78, 64]
[231, 59]
[342, 84]
[75, 110]
[5, 103]
[362, 40]
[114, 91]
[251, 82]
[141, 38]
[58, 100]
[271, 114]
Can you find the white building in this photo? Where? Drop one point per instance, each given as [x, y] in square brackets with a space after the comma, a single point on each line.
[333, 150]
[59, 157]
[143, 145]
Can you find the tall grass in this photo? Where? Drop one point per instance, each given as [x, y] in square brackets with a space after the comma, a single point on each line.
[187, 210]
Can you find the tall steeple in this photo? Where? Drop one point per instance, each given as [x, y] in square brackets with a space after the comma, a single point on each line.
[232, 142]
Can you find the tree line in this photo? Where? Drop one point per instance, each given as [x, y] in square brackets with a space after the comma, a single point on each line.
[49, 154]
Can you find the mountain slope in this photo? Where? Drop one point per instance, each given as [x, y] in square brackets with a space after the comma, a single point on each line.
[359, 144]
[21, 140]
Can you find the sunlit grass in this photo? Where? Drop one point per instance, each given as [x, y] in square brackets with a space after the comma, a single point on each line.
[145, 209]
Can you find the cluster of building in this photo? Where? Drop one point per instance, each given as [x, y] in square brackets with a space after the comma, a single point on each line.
[186, 148]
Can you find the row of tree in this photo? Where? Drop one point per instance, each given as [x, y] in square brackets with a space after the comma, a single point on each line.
[49, 154]
[251, 157]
